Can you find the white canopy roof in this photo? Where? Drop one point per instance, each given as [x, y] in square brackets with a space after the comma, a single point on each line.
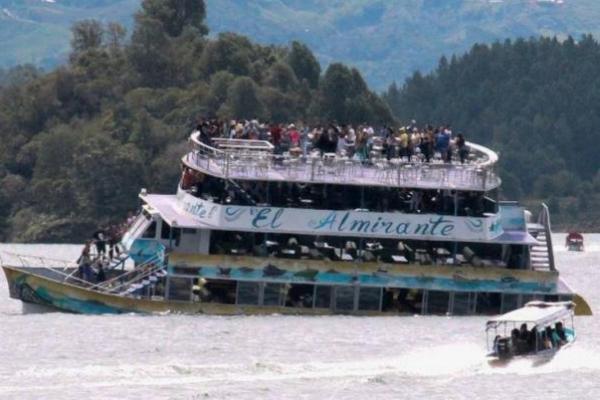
[536, 312]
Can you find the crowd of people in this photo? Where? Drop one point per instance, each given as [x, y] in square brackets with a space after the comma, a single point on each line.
[92, 266]
[359, 142]
[524, 341]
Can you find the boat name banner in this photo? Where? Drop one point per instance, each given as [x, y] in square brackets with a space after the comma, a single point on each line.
[340, 223]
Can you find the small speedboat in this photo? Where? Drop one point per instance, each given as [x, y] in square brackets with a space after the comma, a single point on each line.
[539, 330]
[574, 241]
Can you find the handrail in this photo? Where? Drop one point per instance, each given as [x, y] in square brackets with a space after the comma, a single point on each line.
[478, 175]
[545, 221]
[247, 144]
[137, 278]
[151, 260]
[101, 286]
[67, 264]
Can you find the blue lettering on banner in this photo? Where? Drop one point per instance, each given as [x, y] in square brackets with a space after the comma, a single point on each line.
[233, 213]
[438, 226]
[200, 210]
[265, 219]
[323, 222]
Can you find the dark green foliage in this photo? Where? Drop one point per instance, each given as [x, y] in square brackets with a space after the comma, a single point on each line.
[344, 97]
[242, 99]
[535, 101]
[87, 35]
[176, 15]
[304, 63]
[79, 142]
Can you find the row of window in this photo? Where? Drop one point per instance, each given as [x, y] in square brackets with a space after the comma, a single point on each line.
[344, 299]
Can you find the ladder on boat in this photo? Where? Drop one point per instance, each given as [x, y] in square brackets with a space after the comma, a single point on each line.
[541, 255]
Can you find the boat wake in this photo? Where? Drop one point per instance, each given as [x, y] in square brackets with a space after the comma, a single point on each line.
[446, 362]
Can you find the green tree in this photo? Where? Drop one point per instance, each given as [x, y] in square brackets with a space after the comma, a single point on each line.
[150, 53]
[242, 99]
[87, 35]
[282, 77]
[176, 15]
[304, 64]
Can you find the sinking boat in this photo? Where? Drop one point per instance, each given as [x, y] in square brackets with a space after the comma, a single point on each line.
[250, 231]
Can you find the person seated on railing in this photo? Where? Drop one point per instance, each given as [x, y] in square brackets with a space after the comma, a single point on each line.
[203, 128]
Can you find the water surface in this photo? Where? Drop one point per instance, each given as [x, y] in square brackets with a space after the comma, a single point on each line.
[64, 356]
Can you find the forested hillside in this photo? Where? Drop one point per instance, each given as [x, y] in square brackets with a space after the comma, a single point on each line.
[537, 102]
[386, 40]
[78, 143]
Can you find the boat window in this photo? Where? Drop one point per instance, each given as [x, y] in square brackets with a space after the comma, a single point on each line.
[437, 302]
[165, 233]
[301, 295]
[150, 231]
[248, 293]
[221, 291]
[410, 301]
[344, 298]
[551, 297]
[509, 302]
[488, 303]
[369, 299]
[180, 289]
[323, 296]
[463, 303]
[526, 298]
[388, 303]
[273, 294]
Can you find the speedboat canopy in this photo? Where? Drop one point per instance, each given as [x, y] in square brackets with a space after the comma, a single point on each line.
[538, 313]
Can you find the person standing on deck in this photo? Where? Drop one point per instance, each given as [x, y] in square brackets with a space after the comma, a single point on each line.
[114, 237]
[276, 136]
[84, 260]
[100, 240]
[463, 150]
[404, 140]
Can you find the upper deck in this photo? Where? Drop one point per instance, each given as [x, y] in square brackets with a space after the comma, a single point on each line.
[254, 160]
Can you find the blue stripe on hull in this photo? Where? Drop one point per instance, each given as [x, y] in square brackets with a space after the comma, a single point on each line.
[456, 283]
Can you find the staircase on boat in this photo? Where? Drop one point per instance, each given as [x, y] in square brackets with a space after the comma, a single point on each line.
[541, 255]
[148, 272]
[142, 280]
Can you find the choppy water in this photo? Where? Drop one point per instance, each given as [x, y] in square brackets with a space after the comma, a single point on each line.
[63, 356]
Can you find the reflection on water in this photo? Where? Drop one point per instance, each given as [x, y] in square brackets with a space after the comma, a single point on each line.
[60, 355]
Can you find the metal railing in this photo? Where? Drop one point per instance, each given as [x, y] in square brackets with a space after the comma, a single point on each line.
[244, 164]
[544, 220]
[60, 268]
[140, 272]
[55, 265]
